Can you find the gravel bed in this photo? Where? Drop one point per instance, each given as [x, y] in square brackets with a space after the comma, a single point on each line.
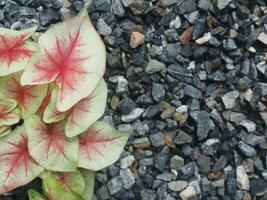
[189, 79]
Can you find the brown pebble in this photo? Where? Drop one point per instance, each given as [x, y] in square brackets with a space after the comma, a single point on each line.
[186, 36]
[136, 39]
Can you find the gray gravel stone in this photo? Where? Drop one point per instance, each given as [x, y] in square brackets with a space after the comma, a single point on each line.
[229, 99]
[103, 28]
[157, 139]
[246, 149]
[182, 138]
[210, 146]
[223, 3]
[203, 124]
[192, 92]
[117, 8]
[158, 91]
[115, 185]
[148, 194]
[127, 178]
[155, 66]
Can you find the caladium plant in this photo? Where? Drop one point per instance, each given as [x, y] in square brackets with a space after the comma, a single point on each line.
[52, 94]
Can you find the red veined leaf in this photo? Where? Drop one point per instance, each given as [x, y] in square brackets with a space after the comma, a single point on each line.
[89, 179]
[50, 147]
[100, 146]
[8, 114]
[72, 54]
[71, 181]
[15, 51]
[17, 166]
[28, 98]
[82, 115]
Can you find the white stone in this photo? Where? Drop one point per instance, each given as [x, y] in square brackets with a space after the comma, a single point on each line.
[177, 186]
[242, 178]
[204, 39]
[137, 112]
[182, 109]
[176, 23]
[126, 162]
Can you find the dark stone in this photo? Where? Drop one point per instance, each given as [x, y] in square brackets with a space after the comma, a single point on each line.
[258, 187]
[126, 105]
[99, 5]
[48, 16]
[192, 92]
[203, 123]
[186, 6]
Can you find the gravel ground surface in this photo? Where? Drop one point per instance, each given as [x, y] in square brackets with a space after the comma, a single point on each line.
[188, 77]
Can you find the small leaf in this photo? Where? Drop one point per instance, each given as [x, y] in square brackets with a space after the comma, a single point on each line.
[49, 146]
[51, 114]
[100, 146]
[15, 52]
[89, 179]
[17, 166]
[28, 98]
[8, 116]
[53, 190]
[81, 116]
[71, 181]
[34, 195]
[73, 55]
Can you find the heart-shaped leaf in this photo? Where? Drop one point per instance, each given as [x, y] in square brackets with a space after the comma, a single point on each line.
[82, 115]
[8, 114]
[72, 54]
[100, 146]
[89, 179]
[28, 98]
[17, 166]
[50, 147]
[15, 52]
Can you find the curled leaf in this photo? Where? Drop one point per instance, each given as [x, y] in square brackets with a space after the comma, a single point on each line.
[50, 147]
[8, 114]
[17, 166]
[100, 146]
[72, 55]
[15, 52]
[82, 115]
[28, 98]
